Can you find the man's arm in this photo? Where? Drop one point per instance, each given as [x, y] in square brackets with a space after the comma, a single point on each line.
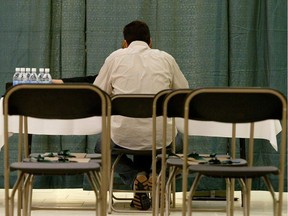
[86, 79]
[179, 80]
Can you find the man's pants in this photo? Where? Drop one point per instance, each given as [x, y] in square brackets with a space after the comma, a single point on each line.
[129, 166]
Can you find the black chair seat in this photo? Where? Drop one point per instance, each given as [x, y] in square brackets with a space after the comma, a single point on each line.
[119, 151]
[90, 155]
[49, 168]
[234, 171]
[178, 162]
[94, 156]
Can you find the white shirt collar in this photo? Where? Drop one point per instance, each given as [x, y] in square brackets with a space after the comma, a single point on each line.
[138, 43]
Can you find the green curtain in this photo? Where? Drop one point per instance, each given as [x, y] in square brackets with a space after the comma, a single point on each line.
[215, 42]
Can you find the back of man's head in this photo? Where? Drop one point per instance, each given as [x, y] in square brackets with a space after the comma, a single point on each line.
[136, 30]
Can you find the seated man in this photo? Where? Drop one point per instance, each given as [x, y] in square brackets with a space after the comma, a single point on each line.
[138, 69]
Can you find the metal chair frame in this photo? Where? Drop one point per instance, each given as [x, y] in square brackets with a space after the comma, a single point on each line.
[128, 105]
[237, 102]
[173, 107]
[14, 104]
[173, 98]
[230, 182]
[147, 106]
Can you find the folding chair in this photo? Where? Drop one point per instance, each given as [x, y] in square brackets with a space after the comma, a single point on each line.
[135, 106]
[66, 102]
[173, 107]
[7, 86]
[236, 105]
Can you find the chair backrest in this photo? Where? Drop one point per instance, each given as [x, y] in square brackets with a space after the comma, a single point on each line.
[59, 101]
[173, 104]
[142, 106]
[132, 105]
[68, 101]
[234, 105]
[238, 105]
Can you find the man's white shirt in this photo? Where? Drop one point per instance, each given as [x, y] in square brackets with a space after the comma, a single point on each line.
[138, 69]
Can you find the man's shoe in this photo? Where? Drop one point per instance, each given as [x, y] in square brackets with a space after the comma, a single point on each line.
[150, 182]
[141, 201]
[141, 182]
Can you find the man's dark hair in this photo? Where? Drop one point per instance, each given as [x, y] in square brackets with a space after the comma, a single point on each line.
[136, 30]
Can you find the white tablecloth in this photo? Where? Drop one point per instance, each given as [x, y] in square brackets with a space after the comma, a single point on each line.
[86, 126]
[263, 130]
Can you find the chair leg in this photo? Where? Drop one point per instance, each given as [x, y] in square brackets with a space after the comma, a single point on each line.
[20, 205]
[174, 190]
[192, 192]
[246, 206]
[110, 200]
[98, 177]
[92, 176]
[277, 206]
[248, 188]
[228, 196]
[156, 202]
[168, 190]
[28, 187]
[232, 182]
[11, 198]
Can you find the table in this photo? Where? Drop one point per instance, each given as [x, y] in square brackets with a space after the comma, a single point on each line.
[263, 130]
[267, 129]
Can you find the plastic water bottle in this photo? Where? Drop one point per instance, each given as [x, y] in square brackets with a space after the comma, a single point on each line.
[47, 77]
[23, 76]
[40, 75]
[28, 73]
[33, 76]
[16, 76]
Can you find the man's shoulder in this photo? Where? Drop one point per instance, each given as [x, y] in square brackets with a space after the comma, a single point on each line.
[115, 54]
[163, 54]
